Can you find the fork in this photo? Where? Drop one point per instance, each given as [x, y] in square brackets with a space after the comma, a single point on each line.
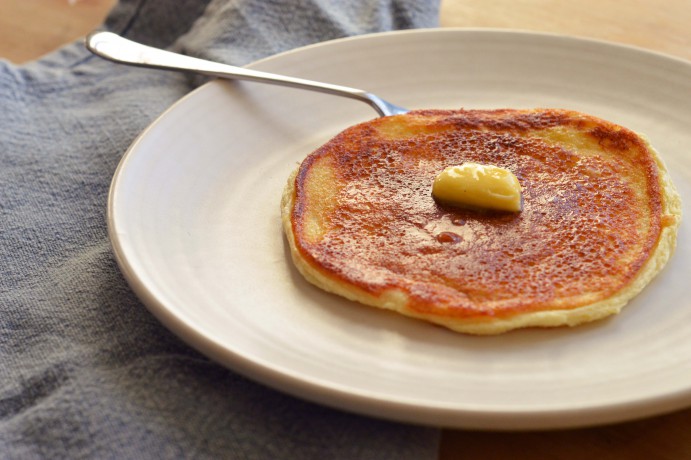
[121, 50]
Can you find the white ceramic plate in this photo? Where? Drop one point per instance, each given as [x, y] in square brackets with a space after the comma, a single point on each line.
[194, 221]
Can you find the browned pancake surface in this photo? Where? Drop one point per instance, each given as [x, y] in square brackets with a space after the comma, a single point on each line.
[364, 217]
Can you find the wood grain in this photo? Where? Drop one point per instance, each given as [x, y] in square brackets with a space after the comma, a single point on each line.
[31, 28]
[660, 26]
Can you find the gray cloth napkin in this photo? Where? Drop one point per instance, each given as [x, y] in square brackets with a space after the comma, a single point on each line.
[85, 370]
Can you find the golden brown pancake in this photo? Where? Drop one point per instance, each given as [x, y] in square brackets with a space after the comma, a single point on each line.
[599, 218]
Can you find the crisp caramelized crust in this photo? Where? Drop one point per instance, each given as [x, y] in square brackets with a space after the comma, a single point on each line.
[599, 218]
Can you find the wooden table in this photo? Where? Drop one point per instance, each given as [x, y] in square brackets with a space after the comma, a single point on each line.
[30, 28]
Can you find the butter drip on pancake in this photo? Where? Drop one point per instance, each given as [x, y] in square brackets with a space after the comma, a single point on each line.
[599, 218]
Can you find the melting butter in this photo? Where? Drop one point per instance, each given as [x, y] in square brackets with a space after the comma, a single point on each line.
[477, 186]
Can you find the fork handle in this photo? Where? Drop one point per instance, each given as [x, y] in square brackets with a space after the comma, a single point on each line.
[121, 50]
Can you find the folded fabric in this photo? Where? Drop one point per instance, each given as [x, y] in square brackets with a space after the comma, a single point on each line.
[85, 370]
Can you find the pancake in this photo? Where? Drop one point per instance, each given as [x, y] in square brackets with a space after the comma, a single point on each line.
[599, 219]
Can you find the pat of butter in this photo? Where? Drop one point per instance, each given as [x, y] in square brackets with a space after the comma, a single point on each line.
[476, 186]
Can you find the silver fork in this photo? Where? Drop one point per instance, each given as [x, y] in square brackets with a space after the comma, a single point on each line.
[121, 50]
